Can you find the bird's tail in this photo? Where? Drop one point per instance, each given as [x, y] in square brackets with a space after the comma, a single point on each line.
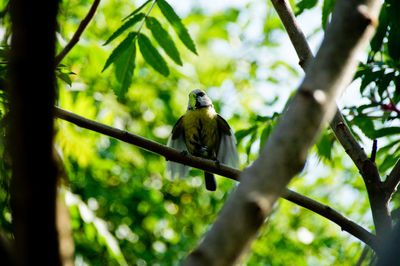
[211, 184]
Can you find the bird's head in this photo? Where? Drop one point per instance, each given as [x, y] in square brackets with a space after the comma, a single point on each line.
[198, 99]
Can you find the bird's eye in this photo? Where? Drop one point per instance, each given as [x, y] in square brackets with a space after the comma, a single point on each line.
[201, 94]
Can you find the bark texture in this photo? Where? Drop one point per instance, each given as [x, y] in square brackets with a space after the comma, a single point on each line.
[285, 152]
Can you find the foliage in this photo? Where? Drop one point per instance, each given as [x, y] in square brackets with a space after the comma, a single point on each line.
[123, 209]
[380, 85]
[127, 48]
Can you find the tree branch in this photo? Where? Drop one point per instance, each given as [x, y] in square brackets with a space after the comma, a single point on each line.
[348, 141]
[209, 165]
[169, 153]
[294, 31]
[363, 256]
[285, 151]
[377, 196]
[332, 215]
[78, 33]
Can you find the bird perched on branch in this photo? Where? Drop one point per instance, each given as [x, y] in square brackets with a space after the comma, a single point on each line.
[204, 133]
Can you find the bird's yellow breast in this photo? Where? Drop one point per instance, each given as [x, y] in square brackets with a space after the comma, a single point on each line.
[201, 129]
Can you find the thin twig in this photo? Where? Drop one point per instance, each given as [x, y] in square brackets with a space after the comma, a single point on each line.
[146, 16]
[78, 33]
[364, 254]
[169, 153]
[332, 215]
[294, 31]
[374, 149]
[144, 20]
[223, 170]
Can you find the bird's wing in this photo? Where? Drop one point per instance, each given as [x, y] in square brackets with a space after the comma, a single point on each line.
[177, 141]
[227, 151]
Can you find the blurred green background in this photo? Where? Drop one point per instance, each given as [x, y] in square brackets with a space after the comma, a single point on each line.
[124, 211]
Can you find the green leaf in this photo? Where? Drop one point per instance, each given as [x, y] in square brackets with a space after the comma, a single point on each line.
[240, 134]
[383, 151]
[119, 50]
[260, 118]
[363, 107]
[388, 163]
[152, 56]
[249, 144]
[327, 9]
[137, 10]
[394, 43]
[265, 134]
[394, 30]
[64, 77]
[380, 33]
[368, 76]
[384, 82]
[124, 67]
[324, 146]
[386, 131]
[177, 25]
[124, 27]
[305, 4]
[164, 39]
[366, 125]
[396, 96]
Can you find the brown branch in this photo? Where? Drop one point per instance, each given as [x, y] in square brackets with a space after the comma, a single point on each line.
[285, 151]
[294, 31]
[377, 196]
[348, 141]
[169, 153]
[78, 33]
[305, 54]
[332, 215]
[177, 156]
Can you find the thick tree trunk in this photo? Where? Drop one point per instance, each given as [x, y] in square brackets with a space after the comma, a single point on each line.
[32, 94]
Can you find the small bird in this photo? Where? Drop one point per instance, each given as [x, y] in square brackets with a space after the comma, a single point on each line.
[204, 133]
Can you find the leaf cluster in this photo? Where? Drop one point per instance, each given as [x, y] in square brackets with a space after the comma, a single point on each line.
[124, 55]
[379, 80]
[327, 9]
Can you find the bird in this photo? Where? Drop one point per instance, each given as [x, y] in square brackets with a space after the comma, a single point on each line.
[202, 132]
